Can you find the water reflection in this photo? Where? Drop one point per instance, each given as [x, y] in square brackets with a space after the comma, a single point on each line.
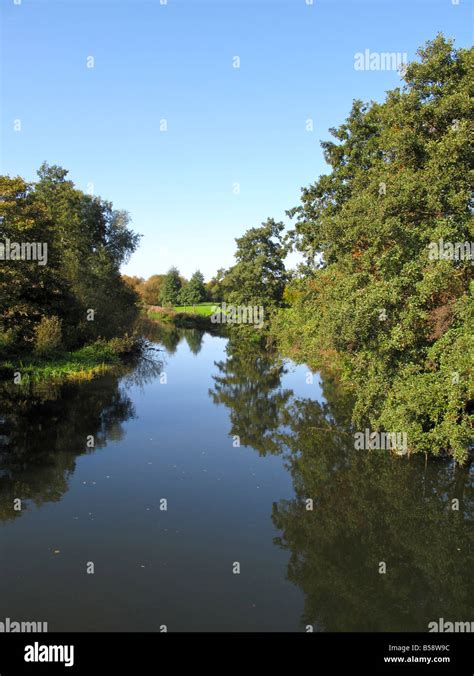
[45, 426]
[249, 384]
[170, 336]
[367, 508]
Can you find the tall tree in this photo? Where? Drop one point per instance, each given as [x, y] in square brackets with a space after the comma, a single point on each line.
[259, 276]
[196, 291]
[171, 287]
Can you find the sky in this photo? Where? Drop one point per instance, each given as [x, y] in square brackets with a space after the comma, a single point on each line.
[161, 122]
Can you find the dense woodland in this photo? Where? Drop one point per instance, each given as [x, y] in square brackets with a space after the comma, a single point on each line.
[369, 304]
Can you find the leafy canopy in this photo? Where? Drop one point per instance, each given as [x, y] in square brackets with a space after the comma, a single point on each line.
[371, 301]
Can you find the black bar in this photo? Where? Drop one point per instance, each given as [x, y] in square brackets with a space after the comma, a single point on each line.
[322, 653]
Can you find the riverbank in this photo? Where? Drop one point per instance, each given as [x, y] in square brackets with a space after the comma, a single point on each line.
[85, 363]
[180, 317]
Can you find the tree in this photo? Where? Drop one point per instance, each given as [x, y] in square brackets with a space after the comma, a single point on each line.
[215, 288]
[259, 275]
[196, 291]
[171, 287]
[91, 240]
[134, 282]
[28, 290]
[185, 297]
[150, 290]
[86, 242]
[394, 321]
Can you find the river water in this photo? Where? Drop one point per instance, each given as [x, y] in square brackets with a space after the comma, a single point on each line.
[217, 488]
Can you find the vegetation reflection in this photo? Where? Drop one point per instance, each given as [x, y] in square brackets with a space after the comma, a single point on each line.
[353, 510]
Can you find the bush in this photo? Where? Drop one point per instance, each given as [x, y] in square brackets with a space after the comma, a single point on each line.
[110, 350]
[97, 351]
[125, 345]
[7, 339]
[48, 336]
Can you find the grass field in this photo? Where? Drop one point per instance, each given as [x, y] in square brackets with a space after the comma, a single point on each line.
[205, 309]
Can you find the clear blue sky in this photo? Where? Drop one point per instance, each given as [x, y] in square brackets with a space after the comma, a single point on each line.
[225, 125]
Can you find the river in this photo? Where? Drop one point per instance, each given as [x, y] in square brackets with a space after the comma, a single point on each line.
[217, 488]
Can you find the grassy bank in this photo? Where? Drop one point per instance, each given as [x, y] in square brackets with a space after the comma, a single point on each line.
[185, 316]
[204, 309]
[82, 364]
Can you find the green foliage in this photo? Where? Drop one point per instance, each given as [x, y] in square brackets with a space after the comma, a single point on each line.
[195, 289]
[185, 296]
[100, 351]
[87, 242]
[7, 339]
[85, 363]
[366, 507]
[259, 276]
[48, 336]
[215, 287]
[171, 287]
[125, 345]
[374, 305]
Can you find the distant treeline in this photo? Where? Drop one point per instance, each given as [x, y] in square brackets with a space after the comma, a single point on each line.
[171, 288]
[258, 274]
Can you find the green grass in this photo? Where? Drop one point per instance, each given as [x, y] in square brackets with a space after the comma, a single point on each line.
[83, 364]
[160, 316]
[205, 309]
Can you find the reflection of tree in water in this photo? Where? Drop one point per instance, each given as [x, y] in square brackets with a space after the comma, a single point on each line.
[377, 509]
[146, 368]
[43, 429]
[194, 338]
[159, 332]
[368, 508]
[249, 384]
[170, 336]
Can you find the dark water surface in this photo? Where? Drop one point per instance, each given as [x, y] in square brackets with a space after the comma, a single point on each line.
[172, 432]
